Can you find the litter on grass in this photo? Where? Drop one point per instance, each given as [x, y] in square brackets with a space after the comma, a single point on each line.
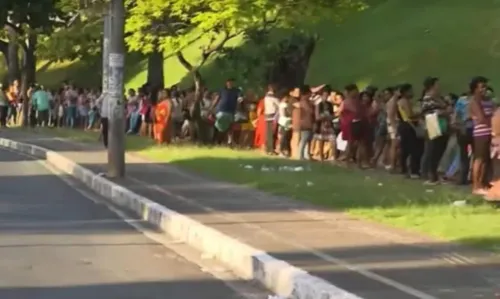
[266, 168]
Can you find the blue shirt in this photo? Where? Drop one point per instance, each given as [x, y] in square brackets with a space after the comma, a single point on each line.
[461, 109]
[228, 100]
[41, 100]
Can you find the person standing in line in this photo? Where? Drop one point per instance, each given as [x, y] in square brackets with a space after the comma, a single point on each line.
[260, 126]
[4, 105]
[271, 108]
[177, 111]
[412, 143]
[464, 127]
[102, 103]
[71, 98]
[324, 122]
[481, 110]
[432, 102]
[392, 126]
[352, 122]
[225, 105]
[337, 98]
[305, 123]
[13, 97]
[41, 101]
[381, 134]
[285, 125]
[162, 122]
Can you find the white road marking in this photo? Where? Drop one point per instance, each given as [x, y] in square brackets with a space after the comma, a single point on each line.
[226, 276]
[329, 258]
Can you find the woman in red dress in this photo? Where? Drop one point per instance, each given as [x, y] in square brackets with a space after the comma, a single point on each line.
[260, 126]
[351, 122]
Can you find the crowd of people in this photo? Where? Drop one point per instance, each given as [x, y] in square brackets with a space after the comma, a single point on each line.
[433, 136]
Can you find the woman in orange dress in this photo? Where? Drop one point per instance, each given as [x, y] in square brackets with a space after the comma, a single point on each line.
[260, 126]
[162, 118]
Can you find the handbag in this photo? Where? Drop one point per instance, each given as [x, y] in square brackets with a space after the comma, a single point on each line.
[433, 126]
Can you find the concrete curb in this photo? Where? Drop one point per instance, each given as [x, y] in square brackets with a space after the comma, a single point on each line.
[247, 262]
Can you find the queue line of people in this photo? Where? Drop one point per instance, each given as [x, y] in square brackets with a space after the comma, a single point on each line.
[431, 136]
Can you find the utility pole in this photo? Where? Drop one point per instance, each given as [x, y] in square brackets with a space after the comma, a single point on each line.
[115, 96]
[105, 56]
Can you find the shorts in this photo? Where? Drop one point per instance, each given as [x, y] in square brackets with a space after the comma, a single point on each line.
[357, 127]
[392, 132]
[481, 147]
[223, 121]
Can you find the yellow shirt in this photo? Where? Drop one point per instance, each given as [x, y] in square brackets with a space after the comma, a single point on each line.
[248, 126]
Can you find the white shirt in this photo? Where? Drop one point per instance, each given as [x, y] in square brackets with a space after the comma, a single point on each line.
[177, 108]
[284, 120]
[271, 104]
[103, 104]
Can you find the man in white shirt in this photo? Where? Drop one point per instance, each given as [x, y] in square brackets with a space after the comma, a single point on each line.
[271, 106]
[177, 113]
[102, 103]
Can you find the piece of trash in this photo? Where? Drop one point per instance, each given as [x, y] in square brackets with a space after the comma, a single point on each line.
[298, 168]
[248, 167]
[460, 203]
[380, 184]
[220, 269]
[309, 184]
[207, 256]
[429, 190]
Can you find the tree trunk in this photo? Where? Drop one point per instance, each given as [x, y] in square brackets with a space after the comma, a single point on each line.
[290, 68]
[155, 69]
[13, 54]
[28, 75]
[195, 71]
[4, 49]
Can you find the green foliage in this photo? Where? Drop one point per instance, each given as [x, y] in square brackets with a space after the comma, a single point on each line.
[172, 25]
[78, 41]
[39, 15]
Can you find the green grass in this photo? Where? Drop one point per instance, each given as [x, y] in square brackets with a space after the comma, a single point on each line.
[368, 194]
[397, 41]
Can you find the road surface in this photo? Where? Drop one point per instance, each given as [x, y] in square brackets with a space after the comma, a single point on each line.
[59, 240]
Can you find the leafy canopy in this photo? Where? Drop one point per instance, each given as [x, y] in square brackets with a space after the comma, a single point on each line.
[172, 25]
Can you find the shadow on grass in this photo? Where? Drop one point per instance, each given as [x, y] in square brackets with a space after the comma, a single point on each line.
[86, 73]
[65, 139]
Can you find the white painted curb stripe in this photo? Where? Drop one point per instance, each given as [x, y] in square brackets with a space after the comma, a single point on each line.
[247, 262]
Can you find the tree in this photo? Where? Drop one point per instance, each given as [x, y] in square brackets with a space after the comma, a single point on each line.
[28, 19]
[80, 37]
[175, 24]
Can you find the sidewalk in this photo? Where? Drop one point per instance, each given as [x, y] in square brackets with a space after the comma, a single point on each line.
[370, 260]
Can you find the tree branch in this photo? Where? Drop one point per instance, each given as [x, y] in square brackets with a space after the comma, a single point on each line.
[4, 48]
[183, 61]
[18, 30]
[213, 48]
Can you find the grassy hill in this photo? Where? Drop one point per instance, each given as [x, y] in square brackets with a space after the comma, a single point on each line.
[391, 42]
[398, 41]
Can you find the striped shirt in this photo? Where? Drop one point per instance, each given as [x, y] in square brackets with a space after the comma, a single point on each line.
[484, 129]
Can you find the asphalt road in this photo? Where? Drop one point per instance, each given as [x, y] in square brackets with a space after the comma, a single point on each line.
[60, 242]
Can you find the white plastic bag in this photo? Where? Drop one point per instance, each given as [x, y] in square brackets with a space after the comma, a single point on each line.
[432, 126]
[341, 143]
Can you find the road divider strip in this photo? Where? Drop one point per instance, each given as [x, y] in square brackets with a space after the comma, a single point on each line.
[245, 261]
